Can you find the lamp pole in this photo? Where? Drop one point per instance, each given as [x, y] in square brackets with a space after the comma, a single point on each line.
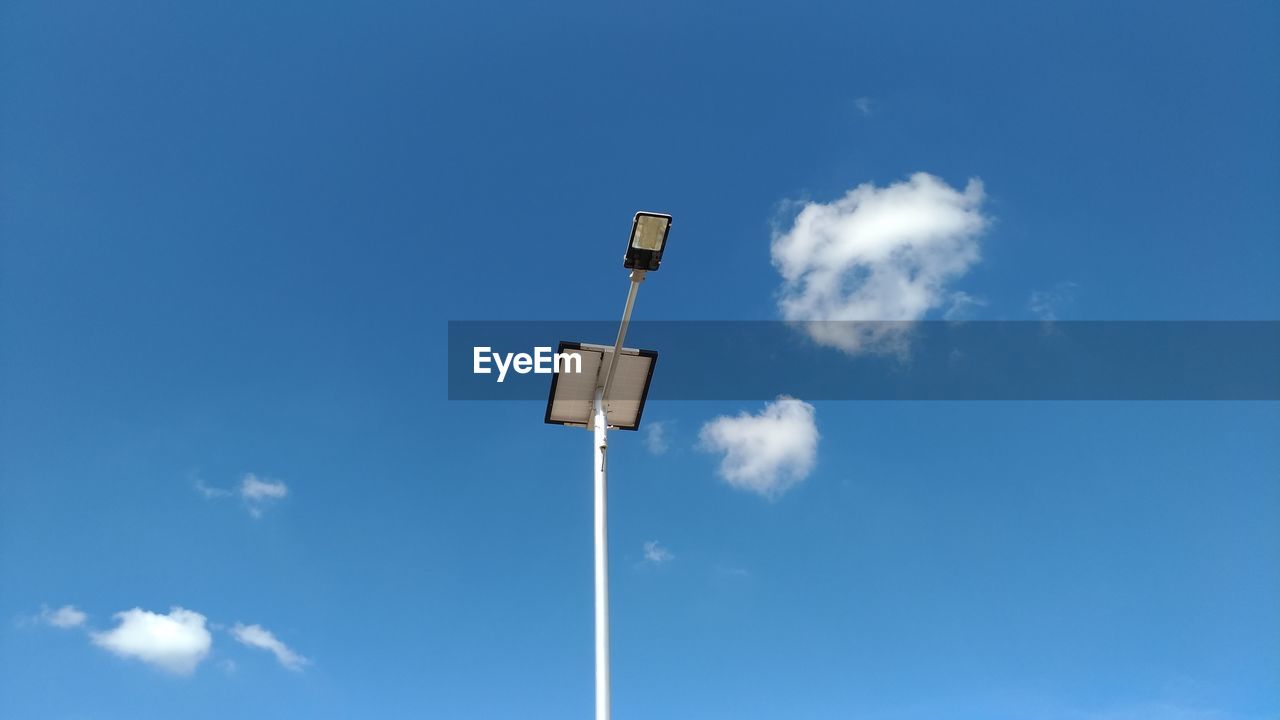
[644, 254]
[600, 425]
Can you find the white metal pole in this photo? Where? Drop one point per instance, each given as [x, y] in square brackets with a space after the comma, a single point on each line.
[601, 427]
[600, 423]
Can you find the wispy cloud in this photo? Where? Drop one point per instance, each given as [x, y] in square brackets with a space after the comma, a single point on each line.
[656, 554]
[209, 492]
[865, 105]
[259, 637]
[176, 642]
[257, 493]
[65, 617]
[766, 453]
[877, 254]
[962, 306]
[730, 572]
[1048, 304]
[655, 437]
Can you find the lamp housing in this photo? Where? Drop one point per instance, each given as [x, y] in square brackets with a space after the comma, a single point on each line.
[648, 240]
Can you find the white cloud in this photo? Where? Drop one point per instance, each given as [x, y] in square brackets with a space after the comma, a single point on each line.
[210, 492]
[655, 554]
[67, 616]
[1046, 304]
[962, 306]
[175, 643]
[260, 637]
[865, 105]
[655, 438]
[256, 489]
[766, 453]
[877, 254]
[257, 493]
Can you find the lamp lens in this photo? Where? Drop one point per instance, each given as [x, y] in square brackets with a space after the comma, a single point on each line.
[649, 233]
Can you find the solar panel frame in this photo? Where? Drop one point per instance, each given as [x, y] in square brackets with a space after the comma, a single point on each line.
[570, 401]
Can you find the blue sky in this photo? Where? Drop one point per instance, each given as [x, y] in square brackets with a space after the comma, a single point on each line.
[232, 236]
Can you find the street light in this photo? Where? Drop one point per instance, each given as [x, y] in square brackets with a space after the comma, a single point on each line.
[648, 237]
[609, 390]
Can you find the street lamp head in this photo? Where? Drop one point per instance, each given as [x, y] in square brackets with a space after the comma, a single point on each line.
[648, 240]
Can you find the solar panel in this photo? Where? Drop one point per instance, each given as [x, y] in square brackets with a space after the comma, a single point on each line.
[573, 393]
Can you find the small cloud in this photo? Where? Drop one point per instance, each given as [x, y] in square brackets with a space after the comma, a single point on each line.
[865, 105]
[256, 489]
[260, 492]
[257, 493]
[259, 637]
[856, 271]
[229, 666]
[175, 643]
[655, 554]
[209, 492]
[655, 437]
[766, 453]
[1046, 304]
[67, 616]
[963, 306]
